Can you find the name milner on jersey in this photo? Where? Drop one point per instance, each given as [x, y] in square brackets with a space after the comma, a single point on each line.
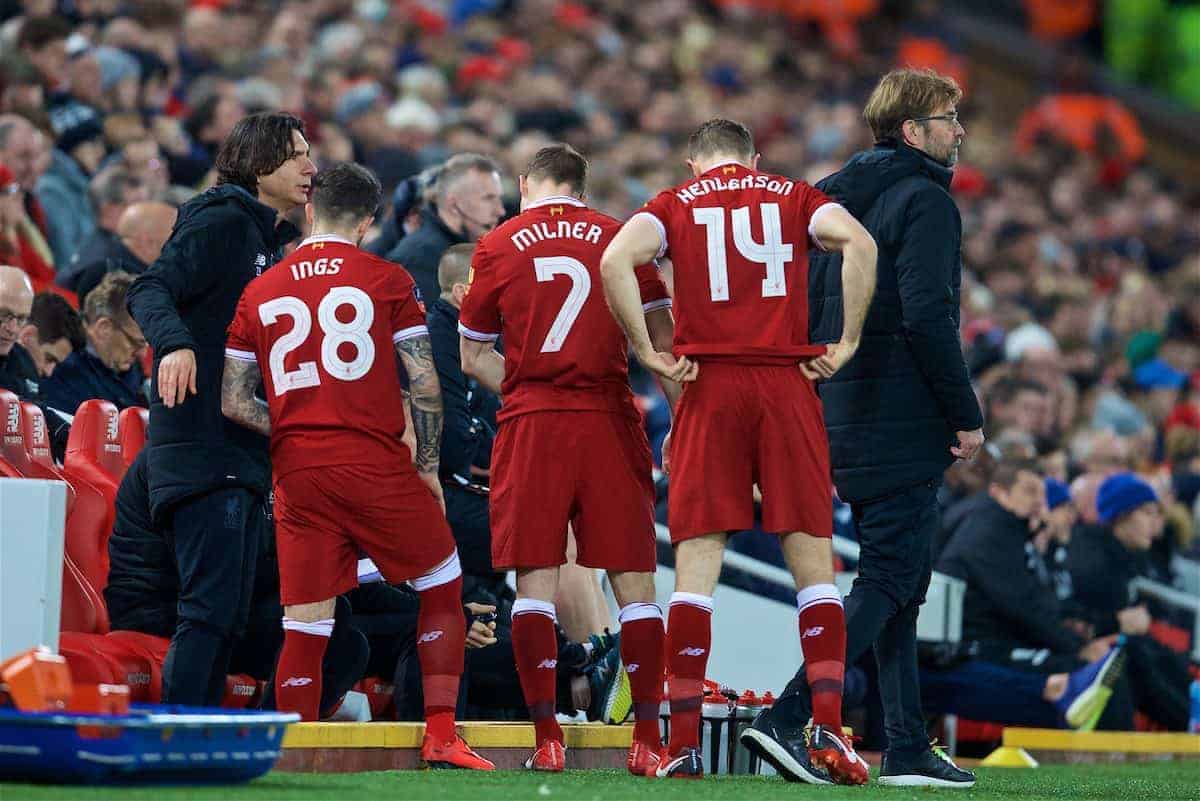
[707, 185]
[559, 229]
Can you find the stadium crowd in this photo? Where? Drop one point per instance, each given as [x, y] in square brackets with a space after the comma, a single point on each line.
[1080, 297]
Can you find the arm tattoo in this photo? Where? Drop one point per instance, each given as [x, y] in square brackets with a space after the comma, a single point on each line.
[237, 396]
[416, 353]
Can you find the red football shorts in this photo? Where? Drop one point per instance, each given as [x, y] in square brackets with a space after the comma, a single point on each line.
[741, 425]
[589, 469]
[324, 515]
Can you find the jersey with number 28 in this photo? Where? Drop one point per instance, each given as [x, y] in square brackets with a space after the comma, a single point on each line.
[738, 240]
[323, 325]
[536, 281]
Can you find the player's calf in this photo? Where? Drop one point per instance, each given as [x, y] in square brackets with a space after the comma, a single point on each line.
[306, 632]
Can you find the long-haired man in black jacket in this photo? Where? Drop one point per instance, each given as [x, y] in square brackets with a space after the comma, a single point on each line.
[208, 476]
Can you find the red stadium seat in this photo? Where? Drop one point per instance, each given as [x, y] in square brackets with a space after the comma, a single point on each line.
[132, 431]
[12, 445]
[39, 460]
[141, 656]
[95, 468]
[89, 662]
[83, 609]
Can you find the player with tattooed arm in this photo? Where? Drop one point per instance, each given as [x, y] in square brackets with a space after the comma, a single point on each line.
[318, 331]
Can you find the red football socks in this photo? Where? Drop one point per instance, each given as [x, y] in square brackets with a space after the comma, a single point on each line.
[689, 638]
[440, 646]
[298, 674]
[535, 645]
[823, 641]
[642, 652]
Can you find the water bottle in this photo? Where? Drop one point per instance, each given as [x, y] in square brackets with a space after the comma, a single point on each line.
[1194, 717]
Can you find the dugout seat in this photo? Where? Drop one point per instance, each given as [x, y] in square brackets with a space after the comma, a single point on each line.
[132, 426]
[12, 444]
[94, 465]
[82, 610]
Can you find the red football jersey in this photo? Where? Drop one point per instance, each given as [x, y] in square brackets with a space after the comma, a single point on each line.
[738, 240]
[322, 325]
[536, 280]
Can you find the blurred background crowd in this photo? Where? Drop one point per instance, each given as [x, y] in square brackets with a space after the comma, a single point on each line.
[1081, 296]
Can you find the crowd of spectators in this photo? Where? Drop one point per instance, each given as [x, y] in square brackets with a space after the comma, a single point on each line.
[1081, 288]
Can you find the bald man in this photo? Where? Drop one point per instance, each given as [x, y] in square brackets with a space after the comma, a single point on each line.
[18, 370]
[142, 230]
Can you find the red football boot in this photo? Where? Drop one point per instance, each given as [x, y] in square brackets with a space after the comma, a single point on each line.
[454, 754]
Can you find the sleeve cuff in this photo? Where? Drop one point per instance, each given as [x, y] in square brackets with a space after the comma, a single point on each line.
[240, 355]
[478, 336]
[654, 305]
[409, 333]
[813, 220]
[662, 231]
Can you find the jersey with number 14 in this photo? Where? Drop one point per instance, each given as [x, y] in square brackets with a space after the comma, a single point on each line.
[738, 240]
[322, 325]
[537, 276]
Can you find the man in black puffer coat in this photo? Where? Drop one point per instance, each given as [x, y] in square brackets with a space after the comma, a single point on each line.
[902, 409]
[208, 476]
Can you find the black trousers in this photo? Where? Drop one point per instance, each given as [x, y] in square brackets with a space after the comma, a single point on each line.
[215, 540]
[896, 535]
[467, 514]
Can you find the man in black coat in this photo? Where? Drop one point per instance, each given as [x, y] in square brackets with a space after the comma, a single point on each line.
[467, 204]
[208, 475]
[109, 366]
[900, 411]
[467, 434]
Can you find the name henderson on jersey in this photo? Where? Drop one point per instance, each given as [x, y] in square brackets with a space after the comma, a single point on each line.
[706, 185]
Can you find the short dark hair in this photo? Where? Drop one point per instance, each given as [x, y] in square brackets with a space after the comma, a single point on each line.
[720, 136]
[256, 146]
[346, 192]
[1007, 471]
[1008, 388]
[37, 32]
[202, 115]
[55, 318]
[561, 163]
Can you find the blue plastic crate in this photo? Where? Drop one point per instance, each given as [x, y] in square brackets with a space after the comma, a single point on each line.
[152, 744]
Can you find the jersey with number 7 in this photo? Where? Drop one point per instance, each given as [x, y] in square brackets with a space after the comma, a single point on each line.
[738, 240]
[323, 325]
[538, 277]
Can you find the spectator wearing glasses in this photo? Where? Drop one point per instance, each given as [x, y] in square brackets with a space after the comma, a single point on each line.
[108, 366]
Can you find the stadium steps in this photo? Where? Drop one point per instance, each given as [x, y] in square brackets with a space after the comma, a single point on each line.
[1050, 746]
[353, 747]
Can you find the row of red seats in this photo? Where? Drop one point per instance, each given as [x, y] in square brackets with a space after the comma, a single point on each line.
[101, 446]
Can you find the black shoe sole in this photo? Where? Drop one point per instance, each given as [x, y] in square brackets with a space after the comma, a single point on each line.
[771, 752]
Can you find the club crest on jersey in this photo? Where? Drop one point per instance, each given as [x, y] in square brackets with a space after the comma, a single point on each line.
[556, 210]
[417, 297]
[728, 169]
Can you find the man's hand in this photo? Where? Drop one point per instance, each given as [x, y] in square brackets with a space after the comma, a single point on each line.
[1134, 620]
[666, 365]
[481, 635]
[969, 443]
[435, 486]
[666, 454]
[177, 376]
[1097, 649]
[835, 357]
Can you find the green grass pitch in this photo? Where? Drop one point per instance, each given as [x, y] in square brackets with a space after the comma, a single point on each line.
[1164, 781]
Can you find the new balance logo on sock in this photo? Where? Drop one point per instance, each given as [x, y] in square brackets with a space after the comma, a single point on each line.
[429, 636]
[548, 664]
[815, 631]
[297, 681]
[692, 652]
[631, 668]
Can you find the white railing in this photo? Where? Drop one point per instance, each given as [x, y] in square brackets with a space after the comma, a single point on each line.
[1176, 598]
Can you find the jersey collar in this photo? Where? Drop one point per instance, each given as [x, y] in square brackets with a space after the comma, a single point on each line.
[327, 239]
[725, 165]
[556, 200]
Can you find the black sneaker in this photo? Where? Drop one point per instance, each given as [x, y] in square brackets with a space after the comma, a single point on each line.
[687, 764]
[785, 749]
[932, 768]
